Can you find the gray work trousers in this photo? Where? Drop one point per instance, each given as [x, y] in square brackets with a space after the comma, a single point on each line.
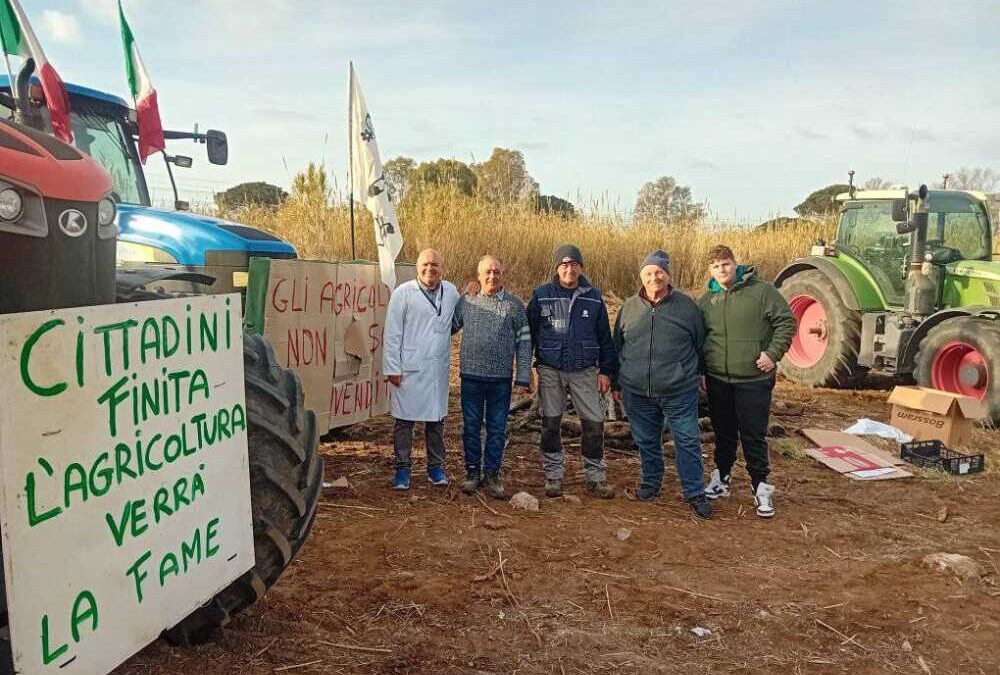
[582, 386]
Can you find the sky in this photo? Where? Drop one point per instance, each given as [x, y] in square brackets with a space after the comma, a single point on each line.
[753, 105]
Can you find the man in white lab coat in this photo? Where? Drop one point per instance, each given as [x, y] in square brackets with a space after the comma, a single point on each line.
[416, 359]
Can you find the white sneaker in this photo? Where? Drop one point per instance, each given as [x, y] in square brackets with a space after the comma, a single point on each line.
[717, 487]
[764, 500]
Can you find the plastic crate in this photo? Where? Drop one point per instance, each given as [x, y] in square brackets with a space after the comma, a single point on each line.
[936, 455]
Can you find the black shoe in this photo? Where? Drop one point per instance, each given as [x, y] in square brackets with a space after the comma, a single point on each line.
[646, 493]
[471, 482]
[700, 506]
[493, 486]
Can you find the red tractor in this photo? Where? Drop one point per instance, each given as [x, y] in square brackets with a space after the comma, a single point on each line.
[57, 249]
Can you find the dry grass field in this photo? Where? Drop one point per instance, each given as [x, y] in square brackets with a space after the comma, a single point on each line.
[465, 228]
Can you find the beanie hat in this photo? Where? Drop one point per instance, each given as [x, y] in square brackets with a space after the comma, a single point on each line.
[660, 258]
[568, 253]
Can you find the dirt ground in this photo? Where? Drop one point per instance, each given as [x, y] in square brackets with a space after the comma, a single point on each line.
[432, 581]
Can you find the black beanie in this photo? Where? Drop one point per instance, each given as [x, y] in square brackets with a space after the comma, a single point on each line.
[568, 253]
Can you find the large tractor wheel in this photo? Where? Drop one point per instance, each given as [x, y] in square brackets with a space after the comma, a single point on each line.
[962, 355]
[824, 351]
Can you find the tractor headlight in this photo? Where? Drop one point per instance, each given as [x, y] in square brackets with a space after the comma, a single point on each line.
[105, 212]
[11, 204]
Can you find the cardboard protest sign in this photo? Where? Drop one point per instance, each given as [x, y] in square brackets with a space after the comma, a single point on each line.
[124, 476]
[326, 321]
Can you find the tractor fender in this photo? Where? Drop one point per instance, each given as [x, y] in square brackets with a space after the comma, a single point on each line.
[830, 270]
[909, 351]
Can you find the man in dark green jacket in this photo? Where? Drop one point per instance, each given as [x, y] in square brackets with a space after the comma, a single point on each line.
[750, 328]
[658, 335]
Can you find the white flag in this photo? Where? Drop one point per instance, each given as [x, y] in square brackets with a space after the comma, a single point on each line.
[369, 186]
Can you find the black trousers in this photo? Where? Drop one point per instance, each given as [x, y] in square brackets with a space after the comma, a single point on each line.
[740, 414]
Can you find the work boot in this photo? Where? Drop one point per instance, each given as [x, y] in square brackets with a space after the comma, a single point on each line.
[764, 499]
[700, 506]
[493, 485]
[401, 481]
[471, 482]
[718, 486]
[647, 493]
[601, 488]
[553, 488]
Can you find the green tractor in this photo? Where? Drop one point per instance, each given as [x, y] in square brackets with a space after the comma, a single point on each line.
[908, 289]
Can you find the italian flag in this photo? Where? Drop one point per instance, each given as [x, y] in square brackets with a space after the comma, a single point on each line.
[146, 109]
[17, 39]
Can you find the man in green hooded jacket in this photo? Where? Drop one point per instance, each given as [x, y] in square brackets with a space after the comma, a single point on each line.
[750, 327]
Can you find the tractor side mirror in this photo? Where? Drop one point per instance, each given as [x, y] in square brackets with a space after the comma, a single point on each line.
[218, 147]
[899, 210]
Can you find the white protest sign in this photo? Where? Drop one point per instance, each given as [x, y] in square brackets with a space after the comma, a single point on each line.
[124, 477]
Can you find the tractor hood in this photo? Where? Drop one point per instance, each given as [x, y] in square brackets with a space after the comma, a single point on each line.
[975, 269]
[189, 236]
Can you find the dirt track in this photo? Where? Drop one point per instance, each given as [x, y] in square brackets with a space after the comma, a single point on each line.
[412, 583]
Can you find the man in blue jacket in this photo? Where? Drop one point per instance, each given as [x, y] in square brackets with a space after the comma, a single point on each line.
[571, 336]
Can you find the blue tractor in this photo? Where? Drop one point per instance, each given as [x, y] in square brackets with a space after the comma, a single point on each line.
[159, 253]
[179, 250]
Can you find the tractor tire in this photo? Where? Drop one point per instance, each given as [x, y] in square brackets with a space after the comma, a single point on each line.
[824, 350]
[962, 355]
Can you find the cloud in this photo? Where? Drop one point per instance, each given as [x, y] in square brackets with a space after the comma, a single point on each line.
[920, 135]
[60, 27]
[107, 10]
[811, 135]
[700, 163]
[865, 134]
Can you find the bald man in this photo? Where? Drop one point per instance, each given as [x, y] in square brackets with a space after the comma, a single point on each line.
[495, 333]
[416, 359]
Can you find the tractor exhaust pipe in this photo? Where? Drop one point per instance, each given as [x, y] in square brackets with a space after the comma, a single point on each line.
[921, 289]
[24, 113]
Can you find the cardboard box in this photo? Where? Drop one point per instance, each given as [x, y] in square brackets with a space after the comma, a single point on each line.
[853, 456]
[928, 414]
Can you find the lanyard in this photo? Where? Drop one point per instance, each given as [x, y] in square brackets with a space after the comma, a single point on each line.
[430, 298]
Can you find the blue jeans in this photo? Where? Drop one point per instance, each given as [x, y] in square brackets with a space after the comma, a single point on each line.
[487, 400]
[646, 416]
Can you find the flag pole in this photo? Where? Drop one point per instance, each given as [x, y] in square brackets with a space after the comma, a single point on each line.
[13, 84]
[350, 148]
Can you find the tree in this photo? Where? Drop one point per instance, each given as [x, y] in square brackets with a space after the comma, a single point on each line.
[663, 200]
[978, 178]
[822, 202]
[876, 183]
[555, 205]
[398, 174]
[504, 177]
[257, 193]
[444, 173]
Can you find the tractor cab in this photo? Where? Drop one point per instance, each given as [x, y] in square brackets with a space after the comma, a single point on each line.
[958, 229]
[155, 241]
